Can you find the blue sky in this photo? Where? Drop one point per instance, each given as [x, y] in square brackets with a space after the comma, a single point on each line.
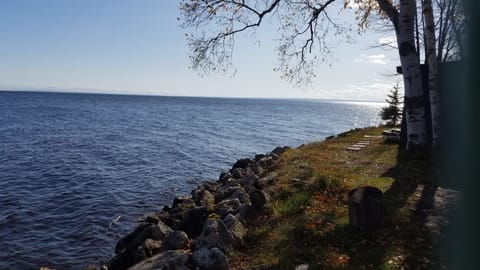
[137, 47]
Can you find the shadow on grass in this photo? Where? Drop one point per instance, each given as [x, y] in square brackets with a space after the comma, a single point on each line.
[404, 241]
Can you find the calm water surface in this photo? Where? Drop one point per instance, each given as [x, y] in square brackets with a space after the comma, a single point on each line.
[72, 163]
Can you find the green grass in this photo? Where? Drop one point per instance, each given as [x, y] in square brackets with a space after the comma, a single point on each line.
[308, 220]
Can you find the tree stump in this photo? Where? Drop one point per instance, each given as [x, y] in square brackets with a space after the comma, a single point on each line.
[366, 209]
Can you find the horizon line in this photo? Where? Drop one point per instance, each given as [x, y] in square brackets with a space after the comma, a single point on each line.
[119, 93]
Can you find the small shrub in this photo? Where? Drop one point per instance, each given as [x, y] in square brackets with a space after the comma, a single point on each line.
[320, 183]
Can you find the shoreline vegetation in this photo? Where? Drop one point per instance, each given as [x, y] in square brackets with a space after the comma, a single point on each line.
[289, 210]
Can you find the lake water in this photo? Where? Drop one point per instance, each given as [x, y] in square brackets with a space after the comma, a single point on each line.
[70, 164]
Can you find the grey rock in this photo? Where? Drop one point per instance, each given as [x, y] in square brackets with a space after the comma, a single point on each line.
[210, 259]
[228, 190]
[259, 199]
[241, 195]
[203, 197]
[249, 171]
[176, 240]
[237, 173]
[159, 231]
[258, 157]
[215, 234]
[166, 260]
[183, 202]
[211, 186]
[227, 206]
[130, 249]
[224, 176]
[192, 223]
[244, 212]
[302, 267]
[279, 150]
[128, 245]
[267, 180]
[250, 180]
[236, 228]
[266, 162]
[151, 247]
[242, 163]
[258, 169]
[126, 241]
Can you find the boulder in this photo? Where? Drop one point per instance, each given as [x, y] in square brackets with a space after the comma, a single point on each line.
[236, 228]
[227, 206]
[176, 240]
[192, 223]
[267, 180]
[126, 241]
[178, 214]
[366, 209]
[227, 191]
[244, 212]
[124, 260]
[279, 150]
[250, 180]
[144, 231]
[215, 234]
[237, 173]
[130, 249]
[159, 231]
[224, 176]
[242, 163]
[152, 247]
[210, 259]
[266, 162]
[211, 186]
[259, 199]
[241, 195]
[258, 157]
[258, 169]
[183, 202]
[163, 216]
[166, 260]
[203, 197]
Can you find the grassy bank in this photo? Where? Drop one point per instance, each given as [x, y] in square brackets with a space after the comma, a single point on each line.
[307, 222]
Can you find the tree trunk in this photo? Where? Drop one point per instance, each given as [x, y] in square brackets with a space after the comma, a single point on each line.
[404, 23]
[412, 77]
[432, 67]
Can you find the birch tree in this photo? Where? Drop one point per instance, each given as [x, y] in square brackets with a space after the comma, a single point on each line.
[431, 57]
[303, 25]
[403, 20]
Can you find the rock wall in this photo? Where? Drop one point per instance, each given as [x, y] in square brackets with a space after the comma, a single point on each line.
[196, 231]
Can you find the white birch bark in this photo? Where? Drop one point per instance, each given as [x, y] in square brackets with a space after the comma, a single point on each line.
[432, 67]
[404, 22]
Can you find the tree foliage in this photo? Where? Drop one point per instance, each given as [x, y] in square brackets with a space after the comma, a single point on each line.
[303, 28]
[393, 112]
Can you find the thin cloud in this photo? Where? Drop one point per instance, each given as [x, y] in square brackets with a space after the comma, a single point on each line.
[372, 59]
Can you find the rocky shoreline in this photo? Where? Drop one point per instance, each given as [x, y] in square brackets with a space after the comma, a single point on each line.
[198, 231]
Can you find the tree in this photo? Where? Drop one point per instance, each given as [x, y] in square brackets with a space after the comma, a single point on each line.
[450, 29]
[450, 24]
[392, 113]
[431, 58]
[303, 25]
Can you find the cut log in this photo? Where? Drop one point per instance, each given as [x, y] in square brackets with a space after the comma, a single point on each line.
[366, 208]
